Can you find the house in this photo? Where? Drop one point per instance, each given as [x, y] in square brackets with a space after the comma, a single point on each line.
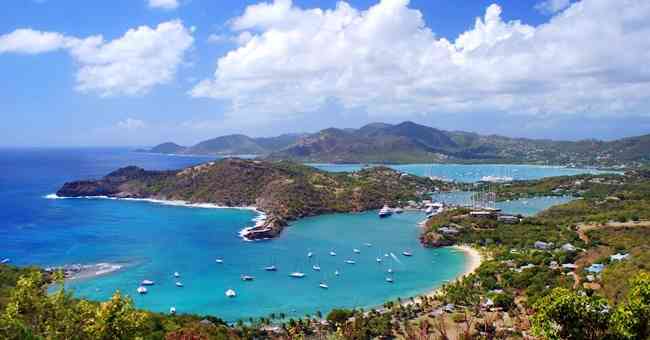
[510, 219]
[568, 247]
[571, 266]
[619, 257]
[595, 268]
[448, 230]
[542, 245]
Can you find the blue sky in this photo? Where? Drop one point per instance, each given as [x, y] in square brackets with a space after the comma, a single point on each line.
[194, 69]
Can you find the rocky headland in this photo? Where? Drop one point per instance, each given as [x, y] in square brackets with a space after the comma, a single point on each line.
[282, 190]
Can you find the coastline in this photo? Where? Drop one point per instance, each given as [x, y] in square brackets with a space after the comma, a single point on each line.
[259, 220]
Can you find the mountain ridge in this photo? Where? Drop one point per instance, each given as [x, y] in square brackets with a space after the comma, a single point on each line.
[409, 142]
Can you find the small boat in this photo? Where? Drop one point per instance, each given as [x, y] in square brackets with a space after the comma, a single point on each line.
[356, 251]
[385, 212]
[332, 253]
[310, 254]
[389, 279]
[230, 293]
[176, 274]
[247, 278]
[315, 267]
[219, 260]
[385, 255]
[368, 244]
[142, 290]
[5, 260]
[270, 268]
[147, 283]
[179, 284]
[350, 261]
[323, 285]
[378, 259]
[298, 275]
[407, 253]
[337, 273]
[172, 310]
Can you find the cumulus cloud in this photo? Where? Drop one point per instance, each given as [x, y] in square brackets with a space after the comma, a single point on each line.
[590, 58]
[164, 4]
[131, 124]
[131, 64]
[552, 6]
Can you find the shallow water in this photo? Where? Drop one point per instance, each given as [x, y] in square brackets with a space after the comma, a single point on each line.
[152, 241]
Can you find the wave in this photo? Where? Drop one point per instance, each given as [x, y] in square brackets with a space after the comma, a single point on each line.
[259, 220]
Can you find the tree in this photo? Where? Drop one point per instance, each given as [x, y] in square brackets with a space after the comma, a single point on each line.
[564, 314]
[631, 320]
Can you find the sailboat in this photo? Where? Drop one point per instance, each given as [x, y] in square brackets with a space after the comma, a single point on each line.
[247, 277]
[297, 274]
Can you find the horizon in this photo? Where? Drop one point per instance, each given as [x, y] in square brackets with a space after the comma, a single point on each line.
[186, 71]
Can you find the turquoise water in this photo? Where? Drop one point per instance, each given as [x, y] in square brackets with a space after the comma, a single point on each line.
[152, 241]
[471, 172]
[525, 207]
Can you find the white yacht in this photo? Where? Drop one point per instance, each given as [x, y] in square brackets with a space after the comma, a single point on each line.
[398, 210]
[247, 278]
[323, 285]
[389, 279]
[219, 260]
[390, 270]
[176, 274]
[230, 293]
[332, 253]
[378, 259]
[271, 268]
[315, 267]
[356, 251]
[179, 284]
[310, 254]
[368, 244]
[147, 283]
[172, 310]
[297, 275]
[350, 261]
[385, 212]
[407, 253]
[142, 290]
[337, 273]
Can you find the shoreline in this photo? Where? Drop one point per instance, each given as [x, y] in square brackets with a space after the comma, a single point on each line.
[258, 220]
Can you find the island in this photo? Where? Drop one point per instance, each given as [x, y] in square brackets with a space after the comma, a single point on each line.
[282, 190]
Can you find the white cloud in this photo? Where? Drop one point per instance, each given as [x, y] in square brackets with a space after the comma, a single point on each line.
[164, 4]
[132, 64]
[590, 58]
[32, 42]
[131, 124]
[552, 6]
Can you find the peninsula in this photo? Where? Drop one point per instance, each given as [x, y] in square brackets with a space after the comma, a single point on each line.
[282, 190]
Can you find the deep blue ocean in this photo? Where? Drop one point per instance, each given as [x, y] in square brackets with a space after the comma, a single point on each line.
[152, 241]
